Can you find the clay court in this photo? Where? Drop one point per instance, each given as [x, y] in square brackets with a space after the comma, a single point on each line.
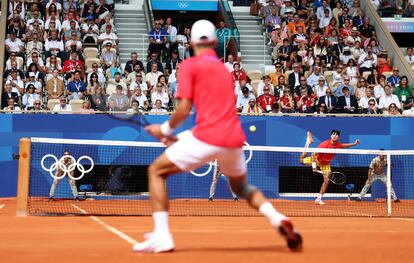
[202, 239]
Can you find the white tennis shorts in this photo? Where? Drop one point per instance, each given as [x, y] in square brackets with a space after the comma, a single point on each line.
[189, 153]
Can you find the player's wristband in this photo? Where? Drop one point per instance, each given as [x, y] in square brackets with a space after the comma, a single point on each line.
[314, 165]
[166, 130]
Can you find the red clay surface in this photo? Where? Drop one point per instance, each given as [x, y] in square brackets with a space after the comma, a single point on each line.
[204, 239]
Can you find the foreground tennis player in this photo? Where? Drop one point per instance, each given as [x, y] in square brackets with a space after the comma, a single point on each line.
[323, 160]
[204, 83]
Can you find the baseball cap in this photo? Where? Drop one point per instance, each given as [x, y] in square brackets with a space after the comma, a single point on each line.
[107, 42]
[90, 17]
[32, 74]
[276, 26]
[245, 89]
[203, 31]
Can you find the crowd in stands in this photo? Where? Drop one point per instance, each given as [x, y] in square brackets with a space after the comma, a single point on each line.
[390, 8]
[63, 56]
[327, 60]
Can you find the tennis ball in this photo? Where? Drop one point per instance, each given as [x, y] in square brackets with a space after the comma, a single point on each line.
[252, 128]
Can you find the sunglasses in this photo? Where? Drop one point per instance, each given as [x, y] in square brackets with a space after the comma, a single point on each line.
[361, 81]
[94, 66]
[266, 89]
[346, 79]
[37, 103]
[159, 86]
[329, 92]
[372, 104]
[322, 106]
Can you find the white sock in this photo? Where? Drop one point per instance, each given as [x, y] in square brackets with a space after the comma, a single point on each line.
[319, 196]
[161, 222]
[270, 212]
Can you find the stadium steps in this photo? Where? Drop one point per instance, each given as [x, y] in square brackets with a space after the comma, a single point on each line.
[131, 31]
[255, 52]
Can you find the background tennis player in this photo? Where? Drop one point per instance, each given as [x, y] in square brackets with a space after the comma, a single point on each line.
[376, 171]
[204, 82]
[323, 160]
[213, 186]
[59, 173]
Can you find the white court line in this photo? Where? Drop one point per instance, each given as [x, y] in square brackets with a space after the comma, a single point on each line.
[112, 229]
[348, 213]
[1, 206]
[402, 219]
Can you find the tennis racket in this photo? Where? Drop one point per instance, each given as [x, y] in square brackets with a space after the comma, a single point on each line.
[138, 118]
[337, 178]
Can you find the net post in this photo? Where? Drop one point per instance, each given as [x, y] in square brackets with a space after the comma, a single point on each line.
[23, 177]
[389, 211]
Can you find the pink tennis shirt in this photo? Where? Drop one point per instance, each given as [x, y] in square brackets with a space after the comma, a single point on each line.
[207, 83]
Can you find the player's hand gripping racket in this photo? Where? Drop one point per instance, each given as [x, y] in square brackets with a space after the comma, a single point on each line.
[337, 178]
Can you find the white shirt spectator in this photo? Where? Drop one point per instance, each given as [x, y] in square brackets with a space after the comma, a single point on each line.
[50, 44]
[68, 44]
[152, 78]
[101, 77]
[66, 25]
[141, 100]
[14, 46]
[363, 102]
[261, 86]
[243, 101]
[59, 109]
[57, 23]
[365, 62]
[19, 82]
[379, 91]
[163, 96]
[143, 86]
[345, 58]
[409, 111]
[229, 66]
[111, 36]
[158, 110]
[31, 21]
[57, 4]
[40, 60]
[385, 101]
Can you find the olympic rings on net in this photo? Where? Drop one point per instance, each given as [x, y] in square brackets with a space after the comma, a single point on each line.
[66, 169]
[214, 163]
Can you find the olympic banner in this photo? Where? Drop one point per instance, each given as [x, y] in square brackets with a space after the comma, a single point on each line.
[185, 5]
[399, 25]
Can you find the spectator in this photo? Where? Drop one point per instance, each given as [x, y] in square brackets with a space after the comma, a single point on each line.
[13, 44]
[314, 78]
[34, 45]
[55, 87]
[410, 57]
[154, 59]
[38, 107]
[337, 10]
[328, 100]
[361, 88]
[120, 99]
[172, 62]
[403, 90]
[284, 51]
[108, 35]
[139, 97]
[73, 43]
[346, 55]
[8, 94]
[286, 102]
[306, 102]
[344, 16]
[326, 19]
[243, 99]
[102, 10]
[354, 37]
[53, 19]
[89, 12]
[252, 107]
[303, 85]
[330, 60]
[160, 94]
[347, 103]
[282, 85]
[16, 83]
[320, 89]
[223, 35]
[53, 46]
[373, 78]
[367, 30]
[51, 65]
[350, 88]
[294, 25]
[130, 65]
[294, 77]
[16, 26]
[274, 77]
[356, 50]
[11, 106]
[108, 56]
[339, 49]
[107, 22]
[299, 37]
[365, 100]
[98, 99]
[76, 89]
[238, 74]
[152, 76]
[29, 97]
[184, 43]
[266, 100]
[69, 66]
[372, 108]
[62, 107]
[86, 108]
[352, 71]
[112, 84]
[230, 62]
[90, 31]
[132, 76]
[321, 109]
[393, 110]
[98, 72]
[36, 18]
[389, 98]
[157, 39]
[287, 10]
[394, 79]
[379, 89]
[266, 83]
[93, 83]
[158, 107]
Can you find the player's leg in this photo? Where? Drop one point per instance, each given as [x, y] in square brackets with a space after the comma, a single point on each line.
[55, 184]
[233, 166]
[383, 179]
[160, 240]
[366, 187]
[326, 170]
[73, 187]
[213, 186]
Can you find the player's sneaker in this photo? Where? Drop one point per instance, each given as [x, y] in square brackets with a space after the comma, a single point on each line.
[358, 199]
[293, 238]
[210, 199]
[397, 201]
[155, 244]
[319, 201]
[309, 139]
[236, 199]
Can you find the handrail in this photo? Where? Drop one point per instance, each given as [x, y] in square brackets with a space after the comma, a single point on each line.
[149, 16]
[3, 24]
[230, 22]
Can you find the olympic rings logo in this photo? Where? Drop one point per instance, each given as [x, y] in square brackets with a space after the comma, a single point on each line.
[183, 5]
[66, 168]
[214, 163]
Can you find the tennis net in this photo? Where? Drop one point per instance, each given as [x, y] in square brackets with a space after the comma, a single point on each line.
[96, 177]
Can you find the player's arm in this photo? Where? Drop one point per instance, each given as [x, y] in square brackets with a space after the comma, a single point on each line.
[163, 132]
[349, 145]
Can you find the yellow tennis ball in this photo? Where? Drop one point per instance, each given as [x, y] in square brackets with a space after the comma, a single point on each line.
[252, 128]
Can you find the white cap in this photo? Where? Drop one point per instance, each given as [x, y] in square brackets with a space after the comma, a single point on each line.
[276, 26]
[203, 31]
[32, 74]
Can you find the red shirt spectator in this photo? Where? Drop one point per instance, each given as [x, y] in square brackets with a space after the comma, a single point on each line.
[70, 65]
[238, 74]
[266, 100]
